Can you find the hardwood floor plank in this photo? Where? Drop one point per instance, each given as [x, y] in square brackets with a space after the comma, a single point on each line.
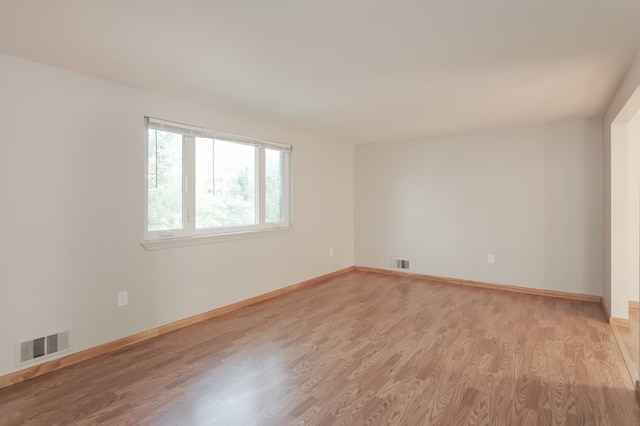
[627, 338]
[362, 348]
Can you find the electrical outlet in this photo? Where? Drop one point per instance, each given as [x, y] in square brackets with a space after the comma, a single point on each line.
[490, 259]
[331, 252]
[123, 299]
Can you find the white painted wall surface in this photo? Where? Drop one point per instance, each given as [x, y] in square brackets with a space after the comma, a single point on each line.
[71, 191]
[622, 109]
[624, 105]
[531, 196]
[633, 206]
[619, 191]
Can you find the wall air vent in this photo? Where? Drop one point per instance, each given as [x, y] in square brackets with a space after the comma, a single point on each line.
[42, 347]
[400, 264]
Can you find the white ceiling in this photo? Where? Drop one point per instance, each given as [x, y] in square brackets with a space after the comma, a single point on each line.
[355, 70]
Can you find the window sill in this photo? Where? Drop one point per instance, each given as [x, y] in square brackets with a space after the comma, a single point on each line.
[171, 242]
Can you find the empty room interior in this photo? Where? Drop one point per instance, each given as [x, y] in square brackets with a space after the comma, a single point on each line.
[339, 212]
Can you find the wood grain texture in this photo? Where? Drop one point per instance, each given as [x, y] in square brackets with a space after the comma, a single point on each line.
[361, 348]
[491, 286]
[68, 360]
[620, 322]
[627, 336]
[49, 366]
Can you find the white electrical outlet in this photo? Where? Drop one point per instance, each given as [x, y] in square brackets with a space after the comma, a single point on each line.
[331, 252]
[490, 259]
[123, 299]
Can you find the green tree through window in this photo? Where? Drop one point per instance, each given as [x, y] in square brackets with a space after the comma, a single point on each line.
[205, 182]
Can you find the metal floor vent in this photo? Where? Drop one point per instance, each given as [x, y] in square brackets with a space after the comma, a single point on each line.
[400, 264]
[42, 346]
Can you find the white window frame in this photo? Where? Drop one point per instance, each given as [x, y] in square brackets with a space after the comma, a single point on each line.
[189, 235]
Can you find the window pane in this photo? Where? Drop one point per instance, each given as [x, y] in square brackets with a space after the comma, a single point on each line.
[164, 182]
[274, 186]
[225, 184]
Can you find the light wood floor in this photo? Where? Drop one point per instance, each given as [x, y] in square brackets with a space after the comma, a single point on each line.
[628, 338]
[359, 349]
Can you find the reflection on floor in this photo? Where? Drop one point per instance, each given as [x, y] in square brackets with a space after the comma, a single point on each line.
[357, 349]
[628, 339]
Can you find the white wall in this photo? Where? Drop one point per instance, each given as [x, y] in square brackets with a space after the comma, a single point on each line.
[624, 105]
[633, 207]
[625, 192]
[71, 190]
[531, 196]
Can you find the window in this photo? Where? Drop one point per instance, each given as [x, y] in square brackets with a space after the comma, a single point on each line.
[205, 183]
